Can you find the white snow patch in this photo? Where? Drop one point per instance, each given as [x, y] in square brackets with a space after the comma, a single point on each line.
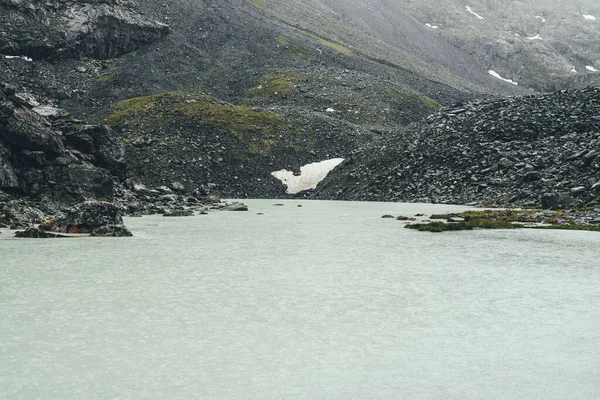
[540, 17]
[536, 37]
[469, 9]
[432, 26]
[497, 75]
[21, 57]
[590, 68]
[310, 175]
[589, 17]
[330, 110]
[573, 69]
[516, 34]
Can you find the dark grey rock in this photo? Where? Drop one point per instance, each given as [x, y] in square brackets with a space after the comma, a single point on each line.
[103, 143]
[235, 207]
[35, 233]
[87, 217]
[111, 231]
[179, 213]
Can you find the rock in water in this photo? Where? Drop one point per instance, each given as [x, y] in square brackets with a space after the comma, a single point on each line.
[235, 207]
[34, 233]
[88, 216]
[111, 231]
[179, 213]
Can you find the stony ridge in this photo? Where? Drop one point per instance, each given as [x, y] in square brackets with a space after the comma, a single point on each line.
[512, 151]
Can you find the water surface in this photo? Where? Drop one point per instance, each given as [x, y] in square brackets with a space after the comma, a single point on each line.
[327, 301]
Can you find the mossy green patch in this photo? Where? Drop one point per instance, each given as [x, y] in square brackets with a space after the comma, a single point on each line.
[275, 83]
[504, 219]
[570, 227]
[337, 47]
[256, 129]
[296, 51]
[235, 118]
[464, 226]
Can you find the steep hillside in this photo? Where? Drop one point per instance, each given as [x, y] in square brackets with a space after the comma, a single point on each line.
[536, 43]
[203, 143]
[534, 150]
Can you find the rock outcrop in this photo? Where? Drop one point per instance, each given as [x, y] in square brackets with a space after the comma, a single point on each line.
[100, 29]
[86, 218]
[45, 154]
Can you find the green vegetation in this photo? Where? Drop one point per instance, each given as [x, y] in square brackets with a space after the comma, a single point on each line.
[111, 73]
[259, 3]
[160, 108]
[296, 51]
[429, 102]
[570, 227]
[504, 219]
[337, 47]
[256, 129]
[464, 226]
[276, 83]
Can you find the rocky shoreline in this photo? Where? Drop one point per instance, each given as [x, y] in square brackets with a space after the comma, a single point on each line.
[539, 150]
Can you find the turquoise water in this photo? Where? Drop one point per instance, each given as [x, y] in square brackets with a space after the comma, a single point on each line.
[327, 301]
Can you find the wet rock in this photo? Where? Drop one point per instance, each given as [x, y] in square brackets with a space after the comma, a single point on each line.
[235, 207]
[387, 216]
[35, 233]
[179, 213]
[111, 231]
[87, 217]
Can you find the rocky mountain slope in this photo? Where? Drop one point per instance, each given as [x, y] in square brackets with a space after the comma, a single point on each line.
[535, 150]
[213, 146]
[537, 44]
[215, 95]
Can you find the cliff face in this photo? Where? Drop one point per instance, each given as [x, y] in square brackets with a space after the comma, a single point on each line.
[100, 29]
[46, 155]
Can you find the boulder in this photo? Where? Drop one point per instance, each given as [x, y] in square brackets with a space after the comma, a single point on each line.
[554, 201]
[111, 231]
[24, 129]
[235, 207]
[87, 217]
[35, 233]
[103, 143]
[69, 184]
[179, 213]
[97, 29]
